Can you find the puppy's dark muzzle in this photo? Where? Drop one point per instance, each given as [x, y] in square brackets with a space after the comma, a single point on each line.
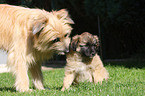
[90, 55]
[89, 52]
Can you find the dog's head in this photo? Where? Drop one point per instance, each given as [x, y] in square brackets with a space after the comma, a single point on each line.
[51, 31]
[86, 44]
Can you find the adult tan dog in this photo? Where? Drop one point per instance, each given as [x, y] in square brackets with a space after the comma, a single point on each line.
[31, 36]
[83, 63]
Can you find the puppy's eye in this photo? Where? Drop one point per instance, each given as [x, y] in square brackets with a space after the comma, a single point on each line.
[81, 45]
[87, 44]
[56, 40]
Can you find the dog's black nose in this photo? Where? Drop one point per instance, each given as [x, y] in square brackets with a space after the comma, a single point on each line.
[67, 50]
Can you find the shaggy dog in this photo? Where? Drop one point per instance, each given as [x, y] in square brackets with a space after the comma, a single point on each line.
[83, 62]
[31, 36]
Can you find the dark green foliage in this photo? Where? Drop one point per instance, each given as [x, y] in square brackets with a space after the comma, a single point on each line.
[2, 1]
[122, 25]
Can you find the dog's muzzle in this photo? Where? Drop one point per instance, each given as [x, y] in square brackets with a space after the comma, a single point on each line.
[67, 51]
[64, 52]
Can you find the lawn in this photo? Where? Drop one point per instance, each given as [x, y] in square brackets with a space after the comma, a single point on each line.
[126, 79]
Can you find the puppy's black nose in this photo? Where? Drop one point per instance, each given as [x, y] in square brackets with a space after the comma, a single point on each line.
[93, 53]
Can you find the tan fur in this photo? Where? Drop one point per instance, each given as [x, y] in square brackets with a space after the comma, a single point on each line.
[27, 35]
[80, 68]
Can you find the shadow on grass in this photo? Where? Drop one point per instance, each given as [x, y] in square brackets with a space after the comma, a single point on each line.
[127, 64]
[53, 88]
[57, 88]
[55, 64]
[60, 62]
[8, 89]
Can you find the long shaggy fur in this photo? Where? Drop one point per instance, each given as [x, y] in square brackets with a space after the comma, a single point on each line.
[83, 63]
[31, 36]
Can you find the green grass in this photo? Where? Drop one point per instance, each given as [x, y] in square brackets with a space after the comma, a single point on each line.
[126, 79]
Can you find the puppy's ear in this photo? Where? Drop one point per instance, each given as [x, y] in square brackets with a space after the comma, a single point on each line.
[97, 40]
[74, 42]
[63, 14]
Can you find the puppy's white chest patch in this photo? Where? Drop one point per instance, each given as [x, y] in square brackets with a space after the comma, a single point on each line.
[83, 73]
[81, 68]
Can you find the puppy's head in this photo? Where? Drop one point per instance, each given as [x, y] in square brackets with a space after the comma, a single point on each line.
[86, 44]
[51, 31]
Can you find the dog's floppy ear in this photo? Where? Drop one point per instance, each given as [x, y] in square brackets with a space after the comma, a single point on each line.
[63, 14]
[74, 42]
[38, 27]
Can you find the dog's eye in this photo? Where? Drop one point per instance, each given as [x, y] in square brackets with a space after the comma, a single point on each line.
[56, 40]
[65, 35]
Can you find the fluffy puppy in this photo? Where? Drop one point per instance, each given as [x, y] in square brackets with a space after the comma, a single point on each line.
[31, 36]
[83, 62]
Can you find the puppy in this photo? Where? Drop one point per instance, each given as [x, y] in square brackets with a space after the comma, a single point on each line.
[31, 36]
[83, 63]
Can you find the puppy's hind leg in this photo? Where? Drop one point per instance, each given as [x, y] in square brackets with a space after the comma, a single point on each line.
[36, 73]
[68, 79]
[100, 74]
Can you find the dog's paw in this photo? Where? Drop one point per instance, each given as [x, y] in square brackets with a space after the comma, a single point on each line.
[29, 90]
[63, 89]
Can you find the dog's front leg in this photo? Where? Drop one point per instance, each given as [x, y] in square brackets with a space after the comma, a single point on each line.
[22, 79]
[17, 64]
[68, 79]
[37, 76]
